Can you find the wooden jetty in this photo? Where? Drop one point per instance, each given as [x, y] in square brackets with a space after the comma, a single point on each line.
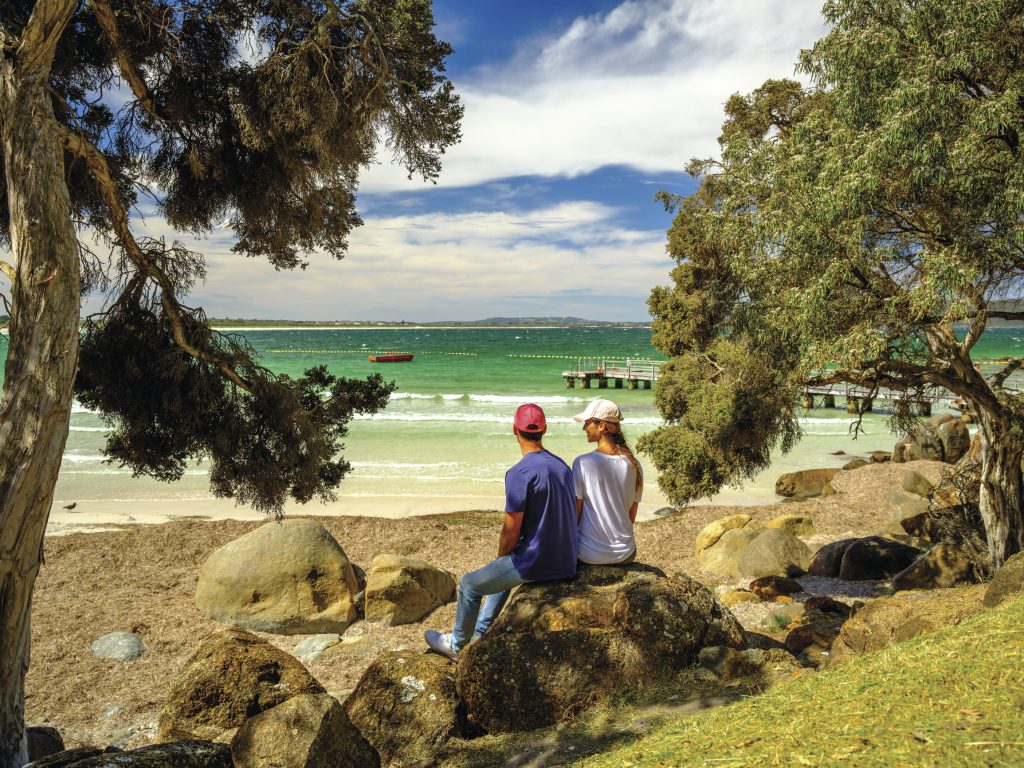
[641, 373]
[634, 372]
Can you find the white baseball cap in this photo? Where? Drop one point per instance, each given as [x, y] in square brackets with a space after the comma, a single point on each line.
[605, 410]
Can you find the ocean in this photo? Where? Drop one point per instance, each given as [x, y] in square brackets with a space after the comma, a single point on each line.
[445, 440]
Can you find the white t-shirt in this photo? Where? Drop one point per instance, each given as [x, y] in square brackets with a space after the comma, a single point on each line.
[607, 485]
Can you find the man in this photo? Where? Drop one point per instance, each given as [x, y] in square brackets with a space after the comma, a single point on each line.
[537, 541]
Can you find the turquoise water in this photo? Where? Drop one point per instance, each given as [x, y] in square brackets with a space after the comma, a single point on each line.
[446, 435]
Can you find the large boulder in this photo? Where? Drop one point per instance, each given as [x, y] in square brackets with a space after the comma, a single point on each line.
[875, 557]
[720, 542]
[812, 634]
[307, 731]
[406, 705]
[941, 438]
[829, 558]
[231, 677]
[798, 525]
[769, 588]
[401, 590]
[560, 647]
[288, 577]
[1007, 581]
[862, 559]
[915, 482]
[806, 482]
[942, 566]
[773, 552]
[68, 757]
[888, 620]
[178, 754]
[43, 741]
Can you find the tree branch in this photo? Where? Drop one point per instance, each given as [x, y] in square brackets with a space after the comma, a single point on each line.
[1000, 378]
[108, 23]
[97, 164]
[978, 323]
[1002, 315]
[8, 270]
[39, 40]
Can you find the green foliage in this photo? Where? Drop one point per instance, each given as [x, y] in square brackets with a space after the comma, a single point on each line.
[260, 113]
[720, 405]
[844, 231]
[165, 406]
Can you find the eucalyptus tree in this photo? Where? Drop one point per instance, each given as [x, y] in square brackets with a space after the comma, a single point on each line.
[259, 113]
[860, 230]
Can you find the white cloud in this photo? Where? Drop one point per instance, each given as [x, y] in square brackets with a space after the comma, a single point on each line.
[642, 85]
[568, 259]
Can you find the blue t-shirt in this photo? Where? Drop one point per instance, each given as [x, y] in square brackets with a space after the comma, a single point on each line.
[540, 486]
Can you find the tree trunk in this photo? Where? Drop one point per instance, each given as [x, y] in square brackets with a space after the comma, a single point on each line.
[1001, 488]
[42, 357]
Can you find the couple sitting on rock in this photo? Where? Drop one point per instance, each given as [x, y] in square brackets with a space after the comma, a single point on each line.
[553, 517]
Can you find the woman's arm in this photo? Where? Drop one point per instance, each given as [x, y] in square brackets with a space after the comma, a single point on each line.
[632, 511]
[579, 510]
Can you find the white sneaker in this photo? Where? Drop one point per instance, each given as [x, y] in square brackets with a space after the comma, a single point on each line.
[441, 644]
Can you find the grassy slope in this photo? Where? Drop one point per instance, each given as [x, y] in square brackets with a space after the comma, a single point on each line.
[952, 698]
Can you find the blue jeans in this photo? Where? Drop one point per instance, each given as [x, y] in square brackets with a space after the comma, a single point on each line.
[493, 581]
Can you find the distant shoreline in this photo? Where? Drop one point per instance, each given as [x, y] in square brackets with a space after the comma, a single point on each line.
[511, 323]
[425, 327]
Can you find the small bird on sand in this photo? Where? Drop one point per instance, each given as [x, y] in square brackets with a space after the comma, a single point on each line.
[71, 506]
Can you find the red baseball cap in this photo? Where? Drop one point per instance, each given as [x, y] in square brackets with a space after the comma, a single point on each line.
[530, 418]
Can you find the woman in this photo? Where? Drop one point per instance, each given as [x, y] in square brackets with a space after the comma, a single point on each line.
[609, 485]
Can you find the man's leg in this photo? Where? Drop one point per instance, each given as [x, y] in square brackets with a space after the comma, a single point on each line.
[492, 607]
[494, 579]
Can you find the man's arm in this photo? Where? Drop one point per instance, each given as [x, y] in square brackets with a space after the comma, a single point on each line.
[579, 509]
[510, 530]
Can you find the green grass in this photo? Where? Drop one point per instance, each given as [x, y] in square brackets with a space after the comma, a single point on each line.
[951, 698]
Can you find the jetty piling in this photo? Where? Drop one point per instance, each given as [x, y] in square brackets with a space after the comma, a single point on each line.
[634, 372]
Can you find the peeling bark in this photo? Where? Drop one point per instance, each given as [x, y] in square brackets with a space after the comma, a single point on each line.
[1002, 489]
[35, 407]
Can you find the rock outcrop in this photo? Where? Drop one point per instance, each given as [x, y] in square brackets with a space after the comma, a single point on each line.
[942, 566]
[288, 577]
[1007, 581]
[888, 620]
[406, 705]
[306, 731]
[231, 677]
[561, 646]
[401, 590]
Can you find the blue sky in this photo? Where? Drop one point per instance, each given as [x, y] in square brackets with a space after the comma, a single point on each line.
[577, 112]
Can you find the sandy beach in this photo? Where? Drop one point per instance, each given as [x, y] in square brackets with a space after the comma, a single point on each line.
[142, 578]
